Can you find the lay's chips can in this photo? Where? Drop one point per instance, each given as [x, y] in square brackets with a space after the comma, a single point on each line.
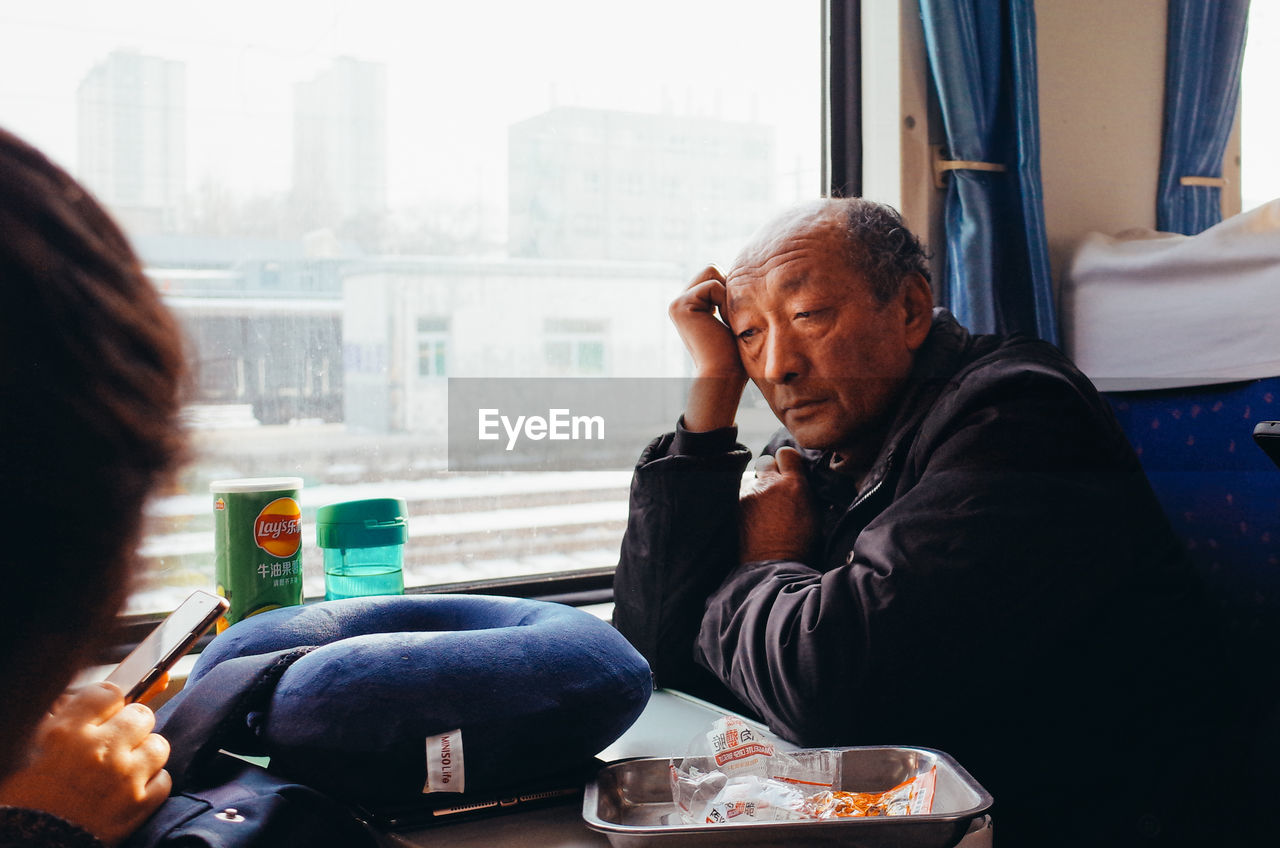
[257, 544]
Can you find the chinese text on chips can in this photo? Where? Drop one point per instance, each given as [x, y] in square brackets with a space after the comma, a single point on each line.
[257, 544]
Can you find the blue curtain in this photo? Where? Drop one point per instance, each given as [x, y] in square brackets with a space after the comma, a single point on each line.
[1201, 87]
[983, 56]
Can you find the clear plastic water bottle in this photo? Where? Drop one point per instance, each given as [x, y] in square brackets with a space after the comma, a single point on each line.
[363, 544]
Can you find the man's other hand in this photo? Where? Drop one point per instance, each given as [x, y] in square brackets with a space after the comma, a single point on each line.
[778, 519]
[95, 763]
[719, 377]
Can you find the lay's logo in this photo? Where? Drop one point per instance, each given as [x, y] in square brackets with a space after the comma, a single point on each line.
[278, 528]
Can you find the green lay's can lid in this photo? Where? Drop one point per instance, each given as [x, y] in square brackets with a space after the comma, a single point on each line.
[254, 484]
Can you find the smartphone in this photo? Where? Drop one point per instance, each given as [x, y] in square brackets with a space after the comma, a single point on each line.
[165, 645]
[1267, 435]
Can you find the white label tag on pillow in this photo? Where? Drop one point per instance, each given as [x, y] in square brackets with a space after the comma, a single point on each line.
[445, 771]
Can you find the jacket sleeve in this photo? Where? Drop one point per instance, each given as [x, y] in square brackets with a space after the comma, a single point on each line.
[22, 827]
[681, 541]
[1018, 511]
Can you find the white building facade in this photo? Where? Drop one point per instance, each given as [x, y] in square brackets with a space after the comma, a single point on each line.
[604, 184]
[340, 142]
[132, 137]
[412, 324]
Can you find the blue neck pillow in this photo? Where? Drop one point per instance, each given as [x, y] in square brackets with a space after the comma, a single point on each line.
[439, 693]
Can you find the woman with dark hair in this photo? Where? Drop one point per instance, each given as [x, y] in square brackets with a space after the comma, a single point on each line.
[91, 376]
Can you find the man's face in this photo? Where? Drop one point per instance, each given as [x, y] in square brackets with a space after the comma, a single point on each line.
[828, 356]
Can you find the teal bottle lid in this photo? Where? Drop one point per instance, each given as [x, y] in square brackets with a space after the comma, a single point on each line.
[369, 523]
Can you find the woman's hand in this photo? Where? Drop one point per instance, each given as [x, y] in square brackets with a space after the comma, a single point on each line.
[94, 762]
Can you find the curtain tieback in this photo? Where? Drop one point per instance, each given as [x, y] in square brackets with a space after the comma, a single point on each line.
[942, 166]
[1211, 182]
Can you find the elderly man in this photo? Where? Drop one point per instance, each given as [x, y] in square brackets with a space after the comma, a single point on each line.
[949, 544]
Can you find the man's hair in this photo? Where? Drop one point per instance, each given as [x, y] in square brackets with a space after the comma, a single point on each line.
[91, 382]
[879, 246]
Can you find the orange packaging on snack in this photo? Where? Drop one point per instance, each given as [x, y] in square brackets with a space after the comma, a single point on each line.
[910, 797]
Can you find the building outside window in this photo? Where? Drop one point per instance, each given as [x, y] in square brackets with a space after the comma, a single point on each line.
[433, 346]
[576, 348]
[351, 205]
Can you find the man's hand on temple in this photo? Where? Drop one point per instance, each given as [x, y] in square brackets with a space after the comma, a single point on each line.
[778, 518]
[719, 377]
[707, 338]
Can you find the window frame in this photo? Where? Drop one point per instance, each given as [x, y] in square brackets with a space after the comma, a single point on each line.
[842, 98]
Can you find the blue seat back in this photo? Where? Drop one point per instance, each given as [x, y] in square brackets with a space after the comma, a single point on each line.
[1222, 496]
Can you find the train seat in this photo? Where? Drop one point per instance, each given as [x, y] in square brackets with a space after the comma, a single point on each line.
[1182, 335]
[1222, 496]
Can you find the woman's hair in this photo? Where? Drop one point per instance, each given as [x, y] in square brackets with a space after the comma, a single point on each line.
[91, 382]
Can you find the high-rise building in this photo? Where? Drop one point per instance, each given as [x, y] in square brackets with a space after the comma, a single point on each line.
[601, 184]
[340, 142]
[132, 113]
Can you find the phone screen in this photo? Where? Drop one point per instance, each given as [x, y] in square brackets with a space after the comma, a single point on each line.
[163, 646]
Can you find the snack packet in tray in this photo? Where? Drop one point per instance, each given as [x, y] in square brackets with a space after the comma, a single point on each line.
[735, 774]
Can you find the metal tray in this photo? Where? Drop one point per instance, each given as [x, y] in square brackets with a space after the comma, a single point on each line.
[630, 802]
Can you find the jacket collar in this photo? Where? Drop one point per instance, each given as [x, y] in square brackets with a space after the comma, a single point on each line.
[943, 353]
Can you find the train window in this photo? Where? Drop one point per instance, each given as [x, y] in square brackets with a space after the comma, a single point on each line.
[1259, 120]
[352, 203]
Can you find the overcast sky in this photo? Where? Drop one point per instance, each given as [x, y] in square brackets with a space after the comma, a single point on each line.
[458, 73]
[1260, 119]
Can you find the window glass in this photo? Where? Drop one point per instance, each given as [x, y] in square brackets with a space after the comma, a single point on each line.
[352, 204]
[1259, 119]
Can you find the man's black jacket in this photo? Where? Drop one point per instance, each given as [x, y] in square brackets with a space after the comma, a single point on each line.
[1003, 586]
